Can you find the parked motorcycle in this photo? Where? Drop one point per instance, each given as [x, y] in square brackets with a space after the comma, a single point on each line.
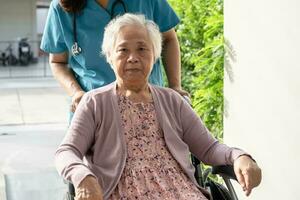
[7, 57]
[2, 58]
[25, 54]
[11, 58]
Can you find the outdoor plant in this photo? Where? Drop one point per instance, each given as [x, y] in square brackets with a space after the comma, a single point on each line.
[200, 33]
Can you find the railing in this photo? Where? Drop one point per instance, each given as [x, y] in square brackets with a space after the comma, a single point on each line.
[19, 60]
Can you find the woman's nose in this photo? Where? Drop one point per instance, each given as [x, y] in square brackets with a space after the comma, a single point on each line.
[132, 57]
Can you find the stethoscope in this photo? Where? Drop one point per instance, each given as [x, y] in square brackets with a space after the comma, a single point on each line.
[76, 49]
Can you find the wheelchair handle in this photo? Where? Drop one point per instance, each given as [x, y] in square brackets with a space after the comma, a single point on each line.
[226, 170]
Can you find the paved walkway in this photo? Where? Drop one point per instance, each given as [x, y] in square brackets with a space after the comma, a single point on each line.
[32, 101]
[27, 170]
[33, 121]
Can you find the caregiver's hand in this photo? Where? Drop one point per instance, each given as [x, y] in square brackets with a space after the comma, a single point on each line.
[76, 99]
[181, 91]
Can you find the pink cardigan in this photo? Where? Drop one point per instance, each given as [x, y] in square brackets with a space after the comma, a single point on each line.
[95, 145]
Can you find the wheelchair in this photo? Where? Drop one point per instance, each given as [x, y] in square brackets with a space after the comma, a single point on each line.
[217, 190]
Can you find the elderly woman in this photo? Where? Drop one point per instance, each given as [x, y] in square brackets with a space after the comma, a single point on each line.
[131, 140]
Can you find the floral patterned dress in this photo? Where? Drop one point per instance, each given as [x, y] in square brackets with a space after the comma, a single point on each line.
[150, 172]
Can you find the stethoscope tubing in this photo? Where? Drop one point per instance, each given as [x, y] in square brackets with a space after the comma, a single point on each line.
[76, 50]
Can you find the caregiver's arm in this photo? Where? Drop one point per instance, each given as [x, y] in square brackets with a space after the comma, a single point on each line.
[64, 75]
[171, 60]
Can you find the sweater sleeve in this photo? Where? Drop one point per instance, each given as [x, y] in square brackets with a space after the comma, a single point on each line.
[200, 141]
[78, 140]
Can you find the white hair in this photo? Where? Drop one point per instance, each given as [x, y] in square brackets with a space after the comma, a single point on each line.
[113, 28]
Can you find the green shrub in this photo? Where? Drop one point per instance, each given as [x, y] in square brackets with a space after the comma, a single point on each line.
[202, 47]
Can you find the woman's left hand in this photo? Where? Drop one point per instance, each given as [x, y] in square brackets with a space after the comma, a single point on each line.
[247, 172]
[89, 189]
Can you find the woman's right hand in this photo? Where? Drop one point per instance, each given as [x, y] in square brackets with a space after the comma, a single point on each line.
[89, 189]
[76, 99]
[248, 173]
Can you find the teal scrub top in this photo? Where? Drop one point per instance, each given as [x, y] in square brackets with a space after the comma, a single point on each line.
[90, 68]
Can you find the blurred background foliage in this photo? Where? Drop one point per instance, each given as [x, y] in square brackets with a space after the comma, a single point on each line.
[202, 53]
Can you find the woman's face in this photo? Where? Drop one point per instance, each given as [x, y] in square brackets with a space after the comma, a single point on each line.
[132, 56]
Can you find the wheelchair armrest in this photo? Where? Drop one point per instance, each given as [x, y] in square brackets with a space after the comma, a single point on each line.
[224, 170]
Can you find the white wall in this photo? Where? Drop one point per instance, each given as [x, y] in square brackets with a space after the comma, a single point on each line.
[17, 19]
[263, 97]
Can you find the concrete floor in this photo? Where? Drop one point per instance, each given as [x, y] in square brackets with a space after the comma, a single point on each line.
[27, 162]
[32, 101]
[33, 121]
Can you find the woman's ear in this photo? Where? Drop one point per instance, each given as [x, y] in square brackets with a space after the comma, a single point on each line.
[154, 59]
[108, 58]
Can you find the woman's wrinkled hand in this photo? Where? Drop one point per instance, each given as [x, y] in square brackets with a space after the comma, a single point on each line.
[76, 99]
[247, 172]
[89, 189]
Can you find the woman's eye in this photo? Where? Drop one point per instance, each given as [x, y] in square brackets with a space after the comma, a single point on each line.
[142, 49]
[122, 50]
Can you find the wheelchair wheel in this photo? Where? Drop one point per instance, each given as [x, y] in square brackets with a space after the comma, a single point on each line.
[217, 190]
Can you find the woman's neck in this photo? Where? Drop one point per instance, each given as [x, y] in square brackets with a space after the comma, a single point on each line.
[134, 93]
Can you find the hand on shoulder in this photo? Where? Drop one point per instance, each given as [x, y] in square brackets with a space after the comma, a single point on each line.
[76, 98]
